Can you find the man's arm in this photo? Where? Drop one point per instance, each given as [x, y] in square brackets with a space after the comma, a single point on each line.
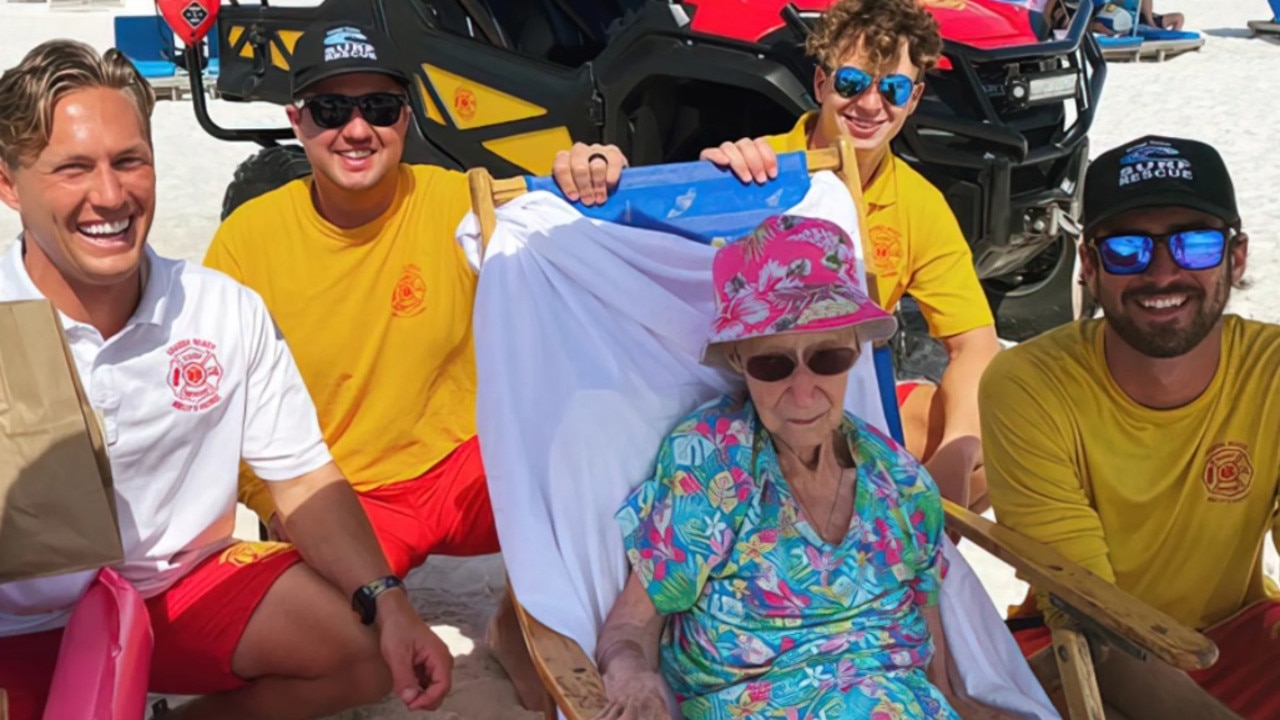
[1033, 473]
[283, 446]
[328, 525]
[221, 256]
[959, 450]
[946, 287]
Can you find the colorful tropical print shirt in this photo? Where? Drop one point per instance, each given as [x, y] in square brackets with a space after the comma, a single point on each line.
[765, 618]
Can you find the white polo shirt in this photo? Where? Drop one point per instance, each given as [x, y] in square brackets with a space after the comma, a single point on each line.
[198, 379]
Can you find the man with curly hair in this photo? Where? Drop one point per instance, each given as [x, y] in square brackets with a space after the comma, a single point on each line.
[872, 56]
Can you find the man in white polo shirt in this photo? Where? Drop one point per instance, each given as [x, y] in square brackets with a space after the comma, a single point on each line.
[190, 377]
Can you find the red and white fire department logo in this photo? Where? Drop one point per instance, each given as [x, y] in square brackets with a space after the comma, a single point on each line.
[464, 101]
[886, 250]
[1228, 473]
[194, 375]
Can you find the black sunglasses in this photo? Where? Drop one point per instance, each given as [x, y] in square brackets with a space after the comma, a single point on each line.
[774, 367]
[1198, 249]
[381, 109]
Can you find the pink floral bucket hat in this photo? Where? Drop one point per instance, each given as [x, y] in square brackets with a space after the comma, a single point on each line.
[790, 275]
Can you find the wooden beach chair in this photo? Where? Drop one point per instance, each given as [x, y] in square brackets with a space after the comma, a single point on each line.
[1119, 658]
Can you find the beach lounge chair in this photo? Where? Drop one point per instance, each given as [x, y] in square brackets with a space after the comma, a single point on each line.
[147, 40]
[1269, 29]
[571, 355]
[1136, 41]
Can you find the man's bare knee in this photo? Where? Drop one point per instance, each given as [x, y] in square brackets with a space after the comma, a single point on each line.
[917, 421]
[303, 628]
[369, 681]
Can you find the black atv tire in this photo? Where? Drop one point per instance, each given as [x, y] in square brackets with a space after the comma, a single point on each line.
[1046, 296]
[263, 172]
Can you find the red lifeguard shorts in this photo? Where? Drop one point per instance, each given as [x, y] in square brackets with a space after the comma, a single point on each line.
[1246, 677]
[197, 624]
[905, 388]
[444, 511]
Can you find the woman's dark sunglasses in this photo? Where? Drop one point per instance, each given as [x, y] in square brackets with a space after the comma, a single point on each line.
[851, 82]
[772, 367]
[381, 109]
[1191, 249]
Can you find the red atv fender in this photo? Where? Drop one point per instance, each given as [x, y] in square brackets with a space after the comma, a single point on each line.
[984, 24]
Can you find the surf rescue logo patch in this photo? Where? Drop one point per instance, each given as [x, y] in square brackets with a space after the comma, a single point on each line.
[194, 375]
[1153, 159]
[342, 43]
[410, 295]
[1228, 472]
[248, 553]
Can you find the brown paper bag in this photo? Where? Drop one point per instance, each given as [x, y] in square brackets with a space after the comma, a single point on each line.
[57, 504]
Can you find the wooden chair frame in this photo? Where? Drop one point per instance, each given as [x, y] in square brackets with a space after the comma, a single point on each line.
[1139, 648]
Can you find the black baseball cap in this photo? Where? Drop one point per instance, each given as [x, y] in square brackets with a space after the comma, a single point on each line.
[333, 48]
[1156, 171]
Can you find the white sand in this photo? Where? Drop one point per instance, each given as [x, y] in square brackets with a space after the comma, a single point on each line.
[1226, 94]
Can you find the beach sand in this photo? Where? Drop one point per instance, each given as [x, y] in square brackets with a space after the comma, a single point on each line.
[1225, 94]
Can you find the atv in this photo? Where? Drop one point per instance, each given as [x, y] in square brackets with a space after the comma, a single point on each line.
[504, 84]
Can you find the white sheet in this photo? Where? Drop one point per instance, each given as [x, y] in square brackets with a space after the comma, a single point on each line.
[587, 342]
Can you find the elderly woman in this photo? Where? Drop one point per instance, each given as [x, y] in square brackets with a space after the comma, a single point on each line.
[790, 550]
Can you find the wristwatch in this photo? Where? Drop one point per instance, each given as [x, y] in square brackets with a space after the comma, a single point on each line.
[365, 600]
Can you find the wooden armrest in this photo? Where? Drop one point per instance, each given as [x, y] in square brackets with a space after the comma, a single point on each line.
[566, 671]
[1099, 606]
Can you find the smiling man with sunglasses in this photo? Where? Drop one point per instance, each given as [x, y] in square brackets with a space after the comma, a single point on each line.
[872, 56]
[1143, 445]
[359, 267]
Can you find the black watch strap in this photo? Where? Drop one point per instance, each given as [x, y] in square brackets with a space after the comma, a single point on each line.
[365, 600]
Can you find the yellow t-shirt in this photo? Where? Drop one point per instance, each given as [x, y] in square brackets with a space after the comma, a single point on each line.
[1170, 505]
[378, 319]
[914, 244]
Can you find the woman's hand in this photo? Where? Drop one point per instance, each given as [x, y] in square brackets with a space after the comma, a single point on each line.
[943, 667]
[974, 710]
[627, 655]
[635, 692]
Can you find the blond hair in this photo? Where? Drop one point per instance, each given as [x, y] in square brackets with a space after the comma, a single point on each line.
[30, 91]
[881, 25]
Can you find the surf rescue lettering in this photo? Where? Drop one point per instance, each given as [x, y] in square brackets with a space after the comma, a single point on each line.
[1153, 160]
[347, 42]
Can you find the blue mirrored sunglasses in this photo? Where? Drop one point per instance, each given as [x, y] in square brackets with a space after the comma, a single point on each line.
[1191, 250]
[851, 82]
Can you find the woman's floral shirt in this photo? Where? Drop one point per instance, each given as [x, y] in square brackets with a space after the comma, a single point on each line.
[766, 619]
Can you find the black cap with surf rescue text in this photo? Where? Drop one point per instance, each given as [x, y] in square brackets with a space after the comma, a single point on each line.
[335, 48]
[1154, 172]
